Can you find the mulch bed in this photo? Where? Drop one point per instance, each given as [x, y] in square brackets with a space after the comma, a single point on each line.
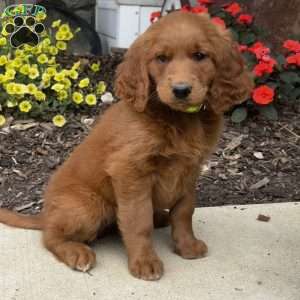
[256, 162]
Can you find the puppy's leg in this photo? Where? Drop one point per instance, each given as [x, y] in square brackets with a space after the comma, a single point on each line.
[135, 220]
[186, 245]
[75, 220]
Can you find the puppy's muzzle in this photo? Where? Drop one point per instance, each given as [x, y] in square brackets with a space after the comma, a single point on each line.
[181, 90]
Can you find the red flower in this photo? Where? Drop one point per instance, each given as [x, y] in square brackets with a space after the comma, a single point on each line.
[243, 48]
[294, 59]
[263, 95]
[233, 9]
[154, 16]
[292, 45]
[245, 19]
[204, 2]
[218, 21]
[263, 68]
[259, 49]
[186, 8]
[199, 9]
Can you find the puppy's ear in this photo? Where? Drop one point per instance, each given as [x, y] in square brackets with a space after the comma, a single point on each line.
[233, 83]
[132, 79]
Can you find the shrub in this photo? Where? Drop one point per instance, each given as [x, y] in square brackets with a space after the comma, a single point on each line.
[34, 84]
[277, 76]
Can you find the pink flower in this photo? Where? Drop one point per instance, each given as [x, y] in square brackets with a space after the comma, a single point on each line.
[292, 45]
[245, 19]
[233, 9]
[218, 21]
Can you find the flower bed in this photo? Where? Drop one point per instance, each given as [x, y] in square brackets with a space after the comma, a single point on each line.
[277, 76]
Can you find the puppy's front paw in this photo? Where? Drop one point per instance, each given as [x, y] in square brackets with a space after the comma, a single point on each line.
[146, 268]
[191, 249]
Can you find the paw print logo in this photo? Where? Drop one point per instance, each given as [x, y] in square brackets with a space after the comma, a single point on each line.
[24, 30]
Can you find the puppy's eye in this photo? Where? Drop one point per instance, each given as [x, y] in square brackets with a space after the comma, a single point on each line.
[198, 56]
[162, 59]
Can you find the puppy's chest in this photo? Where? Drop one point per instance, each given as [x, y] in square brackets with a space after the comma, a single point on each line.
[175, 171]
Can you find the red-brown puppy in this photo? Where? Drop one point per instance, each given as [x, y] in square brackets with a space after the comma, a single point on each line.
[144, 155]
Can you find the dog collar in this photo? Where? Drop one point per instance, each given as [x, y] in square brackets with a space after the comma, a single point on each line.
[194, 108]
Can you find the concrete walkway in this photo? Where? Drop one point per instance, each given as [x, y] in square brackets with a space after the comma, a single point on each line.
[248, 260]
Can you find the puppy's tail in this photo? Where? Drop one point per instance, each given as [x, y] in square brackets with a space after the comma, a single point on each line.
[15, 219]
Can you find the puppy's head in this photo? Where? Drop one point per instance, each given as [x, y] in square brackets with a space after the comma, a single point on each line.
[188, 62]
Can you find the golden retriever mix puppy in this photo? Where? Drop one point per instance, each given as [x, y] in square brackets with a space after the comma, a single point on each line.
[139, 165]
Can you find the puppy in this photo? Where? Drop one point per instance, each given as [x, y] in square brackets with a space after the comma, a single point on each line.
[139, 165]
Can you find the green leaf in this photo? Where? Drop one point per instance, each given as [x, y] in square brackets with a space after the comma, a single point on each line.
[289, 77]
[247, 38]
[239, 114]
[269, 111]
[280, 59]
[295, 94]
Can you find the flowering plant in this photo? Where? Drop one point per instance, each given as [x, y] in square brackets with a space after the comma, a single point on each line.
[277, 76]
[34, 84]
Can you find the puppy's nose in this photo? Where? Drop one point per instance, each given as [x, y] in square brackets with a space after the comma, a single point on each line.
[181, 90]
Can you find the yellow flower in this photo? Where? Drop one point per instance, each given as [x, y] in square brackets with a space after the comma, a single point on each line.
[56, 23]
[69, 35]
[40, 96]
[31, 88]
[61, 45]
[11, 103]
[3, 60]
[46, 83]
[10, 88]
[76, 65]
[25, 106]
[2, 120]
[40, 16]
[67, 83]
[3, 78]
[10, 74]
[33, 73]
[51, 71]
[62, 95]
[25, 69]
[53, 50]
[64, 28]
[84, 83]
[59, 121]
[4, 32]
[19, 53]
[51, 61]
[90, 99]
[20, 89]
[17, 62]
[46, 77]
[73, 74]
[101, 88]
[95, 67]
[59, 76]
[37, 50]
[46, 42]
[77, 97]
[3, 41]
[42, 59]
[57, 87]
[60, 36]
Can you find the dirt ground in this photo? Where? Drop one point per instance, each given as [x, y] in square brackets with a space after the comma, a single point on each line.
[256, 162]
